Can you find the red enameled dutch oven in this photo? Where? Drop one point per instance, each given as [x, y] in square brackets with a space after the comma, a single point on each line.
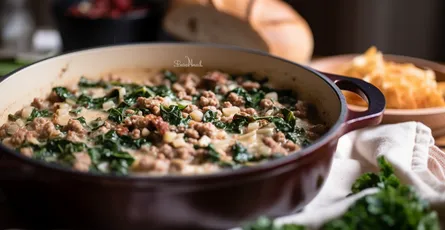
[57, 197]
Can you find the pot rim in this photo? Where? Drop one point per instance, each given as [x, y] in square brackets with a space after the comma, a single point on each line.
[335, 132]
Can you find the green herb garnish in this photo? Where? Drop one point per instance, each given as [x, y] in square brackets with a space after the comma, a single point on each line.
[173, 115]
[63, 93]
[394, 206]
[39, 113]
[240, 153]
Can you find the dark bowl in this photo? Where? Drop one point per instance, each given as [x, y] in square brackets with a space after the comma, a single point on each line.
[63, 198]
[80, 33]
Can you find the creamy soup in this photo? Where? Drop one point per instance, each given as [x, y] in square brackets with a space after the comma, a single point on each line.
[173, 123]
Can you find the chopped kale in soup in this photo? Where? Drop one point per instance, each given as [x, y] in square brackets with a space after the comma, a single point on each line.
[171, 124]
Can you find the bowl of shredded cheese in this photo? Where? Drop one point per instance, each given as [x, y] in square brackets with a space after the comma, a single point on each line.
[414, 88]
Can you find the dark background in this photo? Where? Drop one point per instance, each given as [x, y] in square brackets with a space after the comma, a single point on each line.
[405, 27]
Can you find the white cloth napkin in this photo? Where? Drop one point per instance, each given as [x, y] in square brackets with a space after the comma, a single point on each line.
[409, 147]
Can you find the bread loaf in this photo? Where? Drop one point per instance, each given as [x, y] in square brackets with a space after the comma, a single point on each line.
[268, 25]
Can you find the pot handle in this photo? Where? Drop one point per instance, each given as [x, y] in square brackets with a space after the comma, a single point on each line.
[371, 94]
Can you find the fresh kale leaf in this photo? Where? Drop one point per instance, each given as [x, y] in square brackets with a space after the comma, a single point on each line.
[170, 76]
[82, 120]
[96, 124]
[210, 116]
[288, 126]
[163, 91]
[86, 83]
[39, 113]
[131, 98]
[255, 98]
[91, 103]
[213, 155]
[118, 161]
[76, 111]
[58, 150]
[117, 114]
[63, 93]
[96, 103]
[237, 124]
[240, 153]
[109, 149]
[173, 115]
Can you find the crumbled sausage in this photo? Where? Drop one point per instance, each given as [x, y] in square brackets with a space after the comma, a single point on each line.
[152, 103]
[236, 99]
[38, 123]
[190, 108]
[158, 123]
[279, 137]
[189, 81]
[76, 137]
[82, 162]
[75, 126]
[250, 85]
[161, 166]
[176, 166]
[135, 134]
[139, 121]
[227, 104]
[8, 129]
[185, 153]
[146, 163]
[208, 98]
[183, 96]
[192, 133]
[150, 150]
[19, 137]
[31, 137]
[39, 103]
[276, 147]
[207, 129]
[249, 111]
[167, 151]
[192, 141]
[212, 79]
[121, 130]
[50, 131]
[291, 146]
[178, 87]
[266, 103]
